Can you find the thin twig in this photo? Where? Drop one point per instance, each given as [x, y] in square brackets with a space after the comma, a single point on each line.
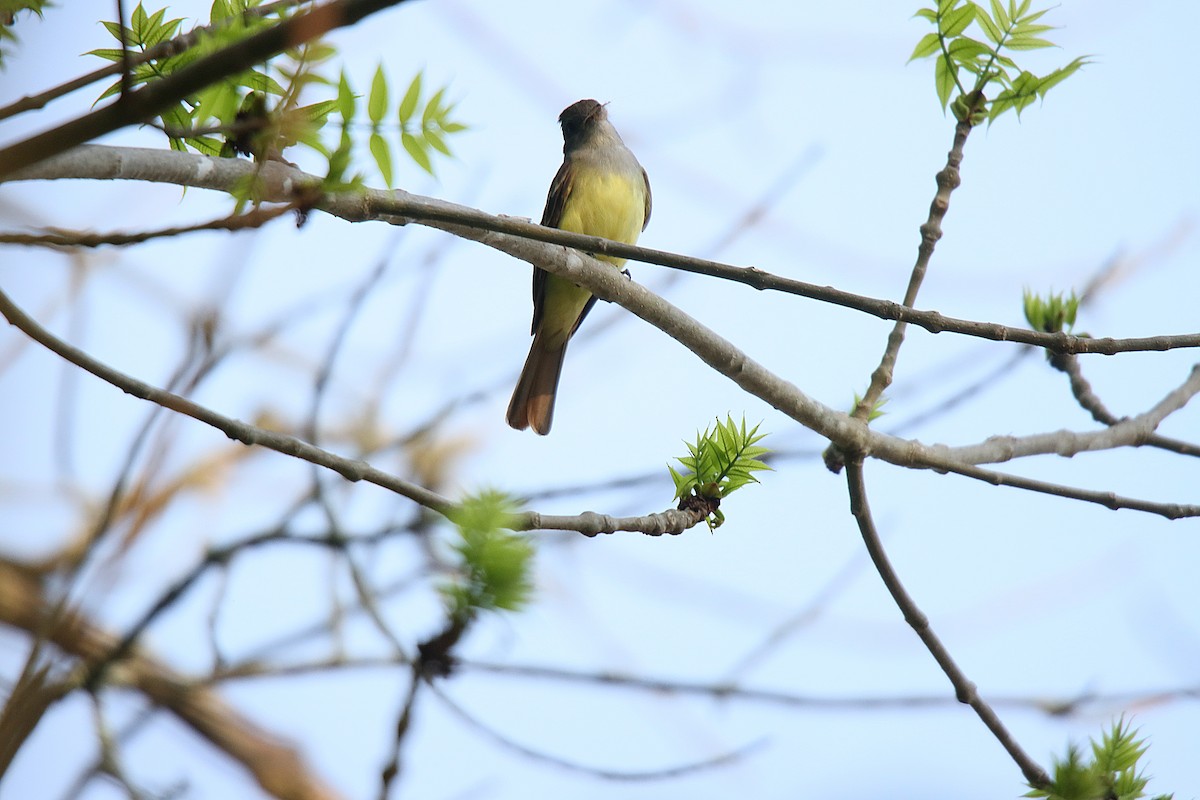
[1081, 388]
[964, 689]
[851, 436]
[1109, 500]
[57, 237]
[98, 669]
[716, 690]
[350, 469]
[391, 770]
[277, 767]
[675, 771]
[162, 50]
[280, 183]
[931, 231]
[671, 521]
[154, 97]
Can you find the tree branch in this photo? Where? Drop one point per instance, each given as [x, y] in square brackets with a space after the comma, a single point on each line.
[931, 231]
[282, 183]
[1131, 431]
[162, 50]
[60, 238]
[527, 242]
[135, 107]
[964, 689]
[350, 469]
[1081, 389]
[588, 523]
[275, 765]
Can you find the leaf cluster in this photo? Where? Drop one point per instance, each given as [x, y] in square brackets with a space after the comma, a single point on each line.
[423, 126]
[722, 460]
[1110, 774]
[1007, 28]
[494, 565]
[1051, 314]
[257, 112]
[226, 105]
[8, 18]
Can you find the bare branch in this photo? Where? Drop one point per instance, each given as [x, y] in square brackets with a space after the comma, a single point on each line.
[282, 183]
[350, 469]
[171, 47]
[619, 775]
[947, 181]
[1109, 500]
[716, 690]
[275, 765]
[588, 523]
[57, 237]
[1082, 391]
[964, 689]
[1131, 431]
[134, 107]
[524, 240]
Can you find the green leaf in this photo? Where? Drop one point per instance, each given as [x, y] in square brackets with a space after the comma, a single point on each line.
[722, 460]
[114, 89]
[999, 15]
[383, 157]
[435, 141]
[206, 145]
[930, 43]
[409, 104]
[319, 51]
[433, 108]
[339, 162]
[1059, 75]
[377, 100]
[990, 29]
[944, 78]
[257, 81]
[311, 138]
[177, 116]
[1024, 29]
[1032, 17]
[494, 569]
[168, 30]
[1027, 43]
[345, 99]
[107, 53]
[114, 29]
[927, 13]
[957, 20]
[1111, 774]
[416, 150]
[964, 49]
[1002, 103]
[221, 10]
[137, 22]
[319, 112]
[152, 24]
[1005, 61]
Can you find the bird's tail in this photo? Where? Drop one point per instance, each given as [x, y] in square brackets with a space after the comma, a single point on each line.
[532, 404]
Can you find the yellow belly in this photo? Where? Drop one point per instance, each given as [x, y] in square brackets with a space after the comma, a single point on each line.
[607, 205]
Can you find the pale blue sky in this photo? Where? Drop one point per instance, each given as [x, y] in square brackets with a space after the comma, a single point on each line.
[1036, 597]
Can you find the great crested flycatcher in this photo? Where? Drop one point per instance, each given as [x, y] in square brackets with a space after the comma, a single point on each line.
[600, 190]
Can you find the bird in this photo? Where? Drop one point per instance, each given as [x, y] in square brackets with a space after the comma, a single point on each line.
[600, 190]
